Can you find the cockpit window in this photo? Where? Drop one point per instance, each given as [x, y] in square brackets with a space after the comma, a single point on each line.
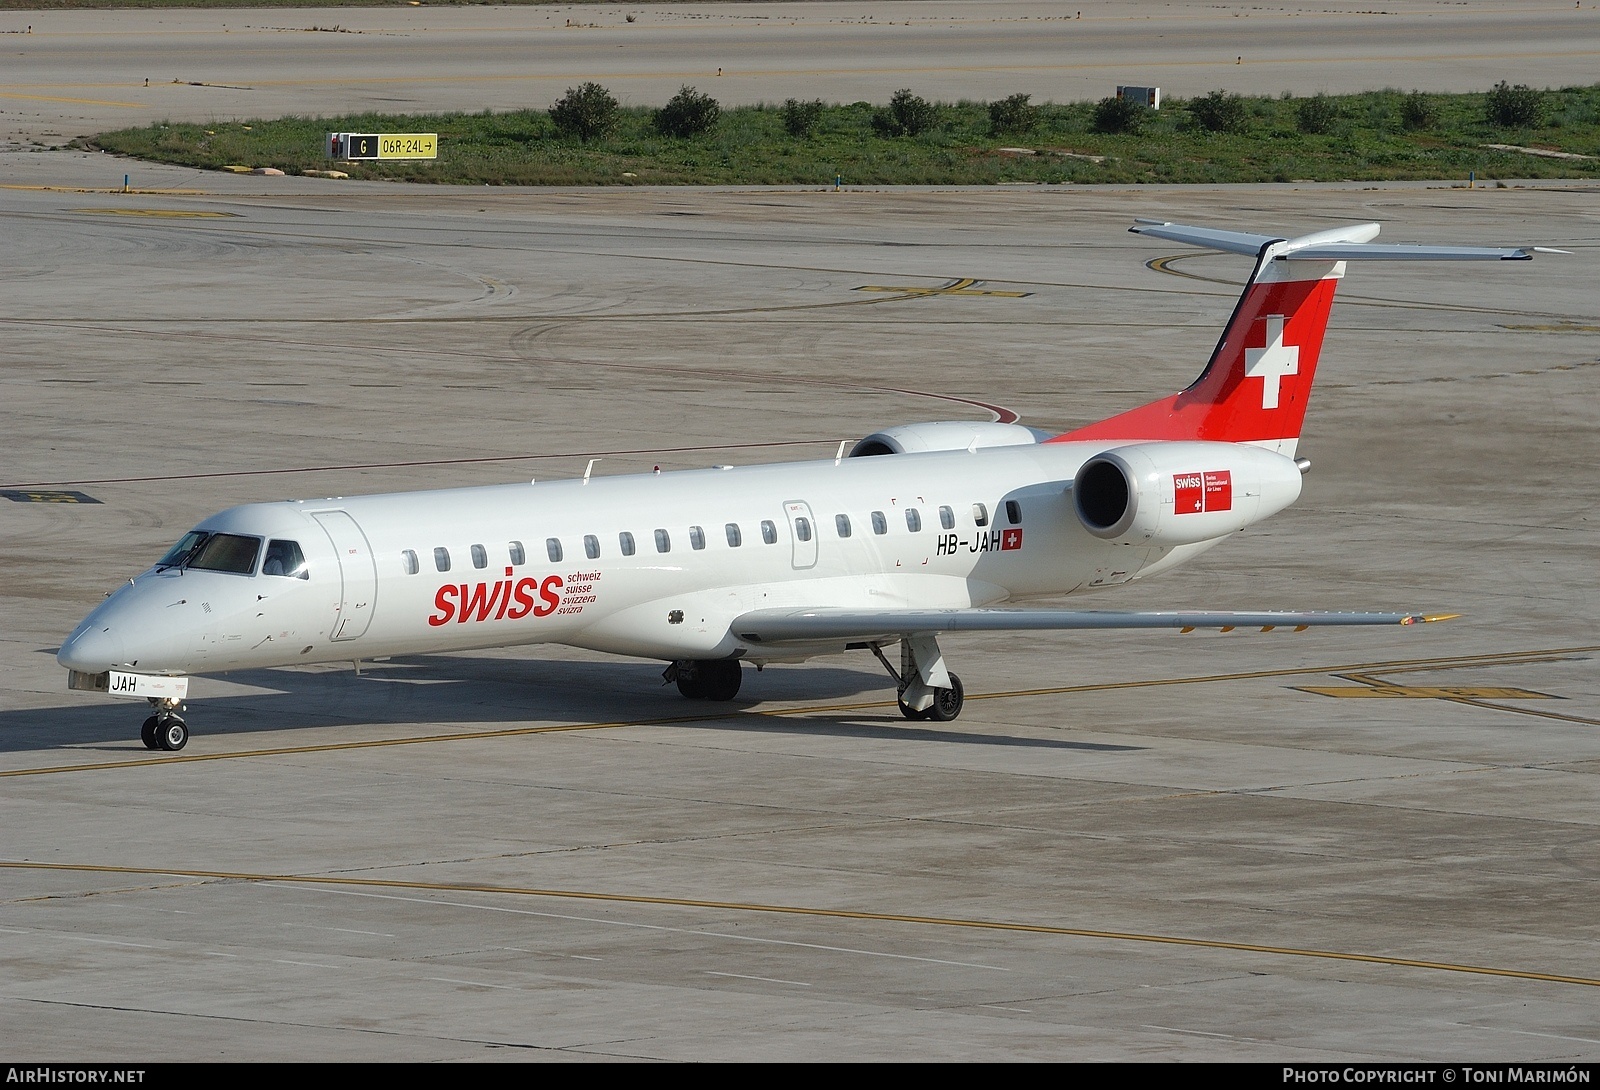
[225, 552]
[180, 552]
[285, 558]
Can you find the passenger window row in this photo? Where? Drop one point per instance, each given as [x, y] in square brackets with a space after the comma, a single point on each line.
[627, 546]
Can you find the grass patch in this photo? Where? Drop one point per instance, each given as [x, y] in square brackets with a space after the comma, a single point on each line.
[1373, 136]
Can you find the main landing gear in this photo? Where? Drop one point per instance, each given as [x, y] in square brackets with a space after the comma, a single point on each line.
[926, 689]
[166, 728]
[705, 679]
[947, 704]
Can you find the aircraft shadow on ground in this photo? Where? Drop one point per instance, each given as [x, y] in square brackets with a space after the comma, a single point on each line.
[444, 694]
[873, 724]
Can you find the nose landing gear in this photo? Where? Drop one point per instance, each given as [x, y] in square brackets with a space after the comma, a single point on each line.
[166, 728]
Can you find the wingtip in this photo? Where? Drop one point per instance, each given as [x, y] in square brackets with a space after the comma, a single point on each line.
[1429, 618]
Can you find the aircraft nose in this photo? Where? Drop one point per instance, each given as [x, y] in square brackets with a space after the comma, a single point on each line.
[92, 649]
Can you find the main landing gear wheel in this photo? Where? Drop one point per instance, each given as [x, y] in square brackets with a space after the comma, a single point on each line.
[947, 704]
[147, 733]
[708, 679]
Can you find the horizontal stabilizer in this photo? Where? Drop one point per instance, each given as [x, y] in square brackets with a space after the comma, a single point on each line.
[1408, 252]
[1233, 242]
[779, 625]
[1352, 243]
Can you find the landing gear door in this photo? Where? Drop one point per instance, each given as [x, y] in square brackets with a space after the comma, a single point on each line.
[803, 527]
[358, 573]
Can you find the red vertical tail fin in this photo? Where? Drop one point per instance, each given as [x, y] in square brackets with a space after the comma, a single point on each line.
[1258, 381]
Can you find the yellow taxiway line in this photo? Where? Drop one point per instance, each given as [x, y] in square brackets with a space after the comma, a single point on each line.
[1502, 658]
[823, 913]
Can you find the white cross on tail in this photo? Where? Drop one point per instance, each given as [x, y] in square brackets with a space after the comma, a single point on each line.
[1272, 363]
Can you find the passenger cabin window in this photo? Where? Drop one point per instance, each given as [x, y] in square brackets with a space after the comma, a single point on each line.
[285, 558]
[913, 520]
[226, 552]
[408, 557]
[735, 538]
[1014, 512]
[441, 558]
[980, 514]
[625, 543]
[841, 523]
[802, 528]
[880, 525]
[769, 532]
[552, 546]
[519, 555]
[591, 546]
[663, 541]
[697, 537]
[480, 557]
[947, 518]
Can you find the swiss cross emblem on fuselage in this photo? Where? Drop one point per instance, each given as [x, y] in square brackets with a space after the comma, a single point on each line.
[1272, 363]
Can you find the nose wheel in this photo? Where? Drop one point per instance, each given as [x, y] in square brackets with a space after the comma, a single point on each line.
[164, 730]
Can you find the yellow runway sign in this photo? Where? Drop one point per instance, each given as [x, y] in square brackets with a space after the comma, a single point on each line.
[356, 146]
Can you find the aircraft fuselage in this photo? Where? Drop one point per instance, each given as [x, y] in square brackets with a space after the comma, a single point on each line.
[547, 562]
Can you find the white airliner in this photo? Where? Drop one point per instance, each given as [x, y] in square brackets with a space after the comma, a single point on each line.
[709, 568]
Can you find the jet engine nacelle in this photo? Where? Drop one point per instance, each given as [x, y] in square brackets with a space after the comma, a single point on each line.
[946, 435]
[1167, 494]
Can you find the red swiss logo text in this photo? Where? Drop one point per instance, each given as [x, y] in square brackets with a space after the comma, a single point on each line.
[513, 599]
[506, 600]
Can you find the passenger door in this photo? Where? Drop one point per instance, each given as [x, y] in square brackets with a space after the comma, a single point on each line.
[358, 573]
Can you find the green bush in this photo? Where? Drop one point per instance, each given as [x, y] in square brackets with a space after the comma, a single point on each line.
[750, 146]
[1220, 111]
[587, 111]
[1014, 114]
[801, 118]
[1316, 114]
[1418, 112]
[687, 113]
[906, 115]
[1518, 107]
[1119, 115]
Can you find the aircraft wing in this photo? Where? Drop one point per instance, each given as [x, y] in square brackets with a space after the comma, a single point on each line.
[801, 625]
